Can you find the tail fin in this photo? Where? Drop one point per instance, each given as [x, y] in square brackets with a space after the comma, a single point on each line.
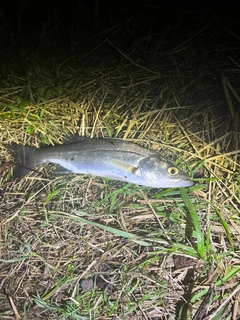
[24, 155]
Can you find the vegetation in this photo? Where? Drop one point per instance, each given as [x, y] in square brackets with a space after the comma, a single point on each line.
[82, 247]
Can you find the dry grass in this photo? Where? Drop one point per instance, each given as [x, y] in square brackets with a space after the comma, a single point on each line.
[77, 247]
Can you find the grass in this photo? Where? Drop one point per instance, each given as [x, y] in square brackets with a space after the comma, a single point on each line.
[81, 247]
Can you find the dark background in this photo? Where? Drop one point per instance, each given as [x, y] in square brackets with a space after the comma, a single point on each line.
[86, 17]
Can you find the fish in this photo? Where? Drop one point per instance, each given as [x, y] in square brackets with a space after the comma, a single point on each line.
[110, 158]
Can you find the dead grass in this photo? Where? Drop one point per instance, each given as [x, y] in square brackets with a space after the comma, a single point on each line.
[77, 247]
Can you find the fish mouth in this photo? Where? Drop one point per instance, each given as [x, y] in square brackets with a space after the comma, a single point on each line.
[184, 183]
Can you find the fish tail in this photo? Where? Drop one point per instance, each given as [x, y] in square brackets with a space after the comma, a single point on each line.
[24, 156]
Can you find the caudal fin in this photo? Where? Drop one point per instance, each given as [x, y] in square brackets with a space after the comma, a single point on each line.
[24, 156]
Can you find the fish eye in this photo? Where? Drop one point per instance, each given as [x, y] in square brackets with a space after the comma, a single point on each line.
[173, 171]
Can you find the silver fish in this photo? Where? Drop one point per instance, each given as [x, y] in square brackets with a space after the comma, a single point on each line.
[106, 157]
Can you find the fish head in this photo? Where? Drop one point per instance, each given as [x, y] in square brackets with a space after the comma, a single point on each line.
[159, 173]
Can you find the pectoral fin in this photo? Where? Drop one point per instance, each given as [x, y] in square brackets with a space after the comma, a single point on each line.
[125, 166]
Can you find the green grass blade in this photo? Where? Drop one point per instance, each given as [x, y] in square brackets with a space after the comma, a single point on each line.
[19, 259]
[194, 219]
[218, 283]
[225, 226]
[52, 194]
[120, 233]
